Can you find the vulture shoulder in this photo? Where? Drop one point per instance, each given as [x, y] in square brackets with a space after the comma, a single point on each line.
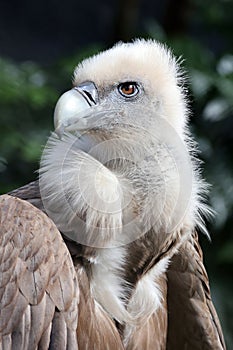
[43, 298]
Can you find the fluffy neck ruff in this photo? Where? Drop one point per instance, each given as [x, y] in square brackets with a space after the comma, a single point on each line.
[131, 197]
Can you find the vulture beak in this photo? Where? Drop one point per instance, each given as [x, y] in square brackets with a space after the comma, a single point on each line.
[73, 106]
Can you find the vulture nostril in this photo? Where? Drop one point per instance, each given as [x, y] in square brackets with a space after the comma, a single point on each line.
[89, 91]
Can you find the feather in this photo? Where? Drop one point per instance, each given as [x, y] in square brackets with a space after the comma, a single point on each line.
[192, 318]
[27, 305]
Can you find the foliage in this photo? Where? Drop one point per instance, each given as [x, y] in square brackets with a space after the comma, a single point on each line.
[27, 98]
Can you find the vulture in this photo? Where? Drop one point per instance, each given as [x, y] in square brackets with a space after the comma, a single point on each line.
[102, 251]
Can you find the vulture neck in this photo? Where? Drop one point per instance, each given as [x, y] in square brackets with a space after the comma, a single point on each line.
[125, 280]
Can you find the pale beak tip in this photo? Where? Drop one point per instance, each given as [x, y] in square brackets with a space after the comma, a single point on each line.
[69, 104]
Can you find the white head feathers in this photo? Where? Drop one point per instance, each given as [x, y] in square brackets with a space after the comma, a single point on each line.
[143, 60]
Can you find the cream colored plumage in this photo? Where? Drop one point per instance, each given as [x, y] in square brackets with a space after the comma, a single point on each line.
[120, 180]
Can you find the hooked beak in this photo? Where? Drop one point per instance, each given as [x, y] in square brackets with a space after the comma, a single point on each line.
[79, 99]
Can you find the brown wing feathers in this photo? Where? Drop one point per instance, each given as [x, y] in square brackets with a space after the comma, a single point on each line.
[38, 283]
[192, 319]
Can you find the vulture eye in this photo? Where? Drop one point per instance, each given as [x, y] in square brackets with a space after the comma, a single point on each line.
[128, 89]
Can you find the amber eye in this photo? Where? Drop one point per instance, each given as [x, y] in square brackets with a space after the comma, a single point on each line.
[128, 89]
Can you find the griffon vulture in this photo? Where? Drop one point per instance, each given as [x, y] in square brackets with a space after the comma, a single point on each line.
[110, 257]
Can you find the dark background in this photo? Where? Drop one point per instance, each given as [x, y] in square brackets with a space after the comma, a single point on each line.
[41, 43]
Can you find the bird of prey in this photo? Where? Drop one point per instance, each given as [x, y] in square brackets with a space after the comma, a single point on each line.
[102, 251]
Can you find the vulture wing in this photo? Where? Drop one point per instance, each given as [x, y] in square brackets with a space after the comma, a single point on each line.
[38, 285]
[192, 319]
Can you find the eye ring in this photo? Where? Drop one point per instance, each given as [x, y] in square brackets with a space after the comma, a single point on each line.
[128, 89]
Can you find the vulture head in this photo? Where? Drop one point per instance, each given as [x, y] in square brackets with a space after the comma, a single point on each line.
[120, 161]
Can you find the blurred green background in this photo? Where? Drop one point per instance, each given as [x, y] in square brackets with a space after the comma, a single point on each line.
[41, 43]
